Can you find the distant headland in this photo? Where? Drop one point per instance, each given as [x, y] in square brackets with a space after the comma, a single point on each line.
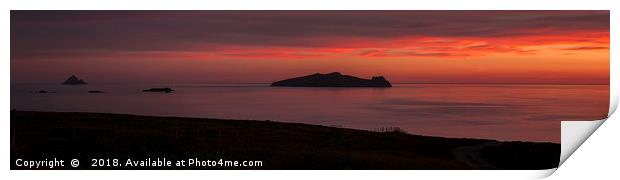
[278, 145]
[334, 79]
[73, 80]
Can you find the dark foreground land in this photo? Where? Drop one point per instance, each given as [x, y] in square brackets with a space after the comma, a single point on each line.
[87, 136]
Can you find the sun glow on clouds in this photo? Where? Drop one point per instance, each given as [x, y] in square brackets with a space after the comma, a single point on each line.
[406, 46]
[407, 49]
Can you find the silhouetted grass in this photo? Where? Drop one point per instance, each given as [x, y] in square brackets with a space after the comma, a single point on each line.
[396, 130]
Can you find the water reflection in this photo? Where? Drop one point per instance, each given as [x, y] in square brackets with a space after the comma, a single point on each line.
[504, 112]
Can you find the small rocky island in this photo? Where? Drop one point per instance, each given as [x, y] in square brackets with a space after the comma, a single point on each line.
[73, 80]
[165, 90]
[334, 79]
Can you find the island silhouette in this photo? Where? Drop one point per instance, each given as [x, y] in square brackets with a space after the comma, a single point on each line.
[74, 80]
[165, 90]
[334, 79]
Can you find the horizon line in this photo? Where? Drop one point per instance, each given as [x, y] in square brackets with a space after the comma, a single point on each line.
[490, 83]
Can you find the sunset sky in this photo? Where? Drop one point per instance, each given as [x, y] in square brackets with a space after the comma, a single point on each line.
[560, 47]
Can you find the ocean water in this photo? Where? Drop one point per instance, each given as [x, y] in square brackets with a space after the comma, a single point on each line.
[502, 112]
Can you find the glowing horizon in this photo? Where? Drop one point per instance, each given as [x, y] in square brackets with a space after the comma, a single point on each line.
[557, 47]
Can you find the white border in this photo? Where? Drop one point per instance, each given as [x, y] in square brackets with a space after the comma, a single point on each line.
[588, 165]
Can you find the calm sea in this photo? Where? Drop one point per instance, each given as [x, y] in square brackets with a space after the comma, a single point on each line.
[502, 112]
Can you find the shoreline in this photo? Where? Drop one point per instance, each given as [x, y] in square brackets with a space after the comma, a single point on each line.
[377, 130]
[278, 145]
